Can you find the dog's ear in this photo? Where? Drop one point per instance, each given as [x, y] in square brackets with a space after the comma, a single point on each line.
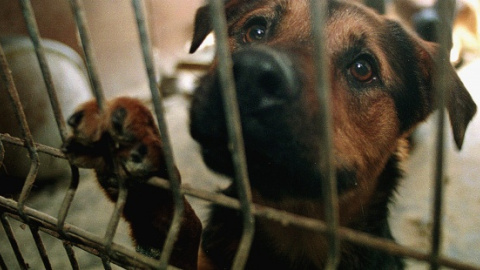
[460, 105]
[202, 28]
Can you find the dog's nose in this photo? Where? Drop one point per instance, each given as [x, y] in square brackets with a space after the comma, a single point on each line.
[264, 79]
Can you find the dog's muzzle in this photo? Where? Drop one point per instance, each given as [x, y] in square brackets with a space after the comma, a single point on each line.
[264, 79]
[266, 86]
[271, 96]
[266, 83]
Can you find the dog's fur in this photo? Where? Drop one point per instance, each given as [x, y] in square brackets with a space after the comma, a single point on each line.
[381, 85]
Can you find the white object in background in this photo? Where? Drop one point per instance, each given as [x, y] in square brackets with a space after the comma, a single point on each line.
[72, 87]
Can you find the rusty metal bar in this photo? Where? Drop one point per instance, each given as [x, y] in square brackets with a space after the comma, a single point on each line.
[105, 262]
[69, 195]
[80, 238]
[13, 241]
[40, 246]
[41, 148]
[162, 125]
[93, 244]
[378, 5]
[234, 128]
[3, 265]
[2, 152]
[314, 225]
[67, 200]
[117, 212]
[319, 11]
[32, 28]
[443, 37]
[80, 19]
[7, 80]
[84, 33]
[71, 254]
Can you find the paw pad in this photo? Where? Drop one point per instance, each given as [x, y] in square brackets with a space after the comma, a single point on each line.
[124, 134]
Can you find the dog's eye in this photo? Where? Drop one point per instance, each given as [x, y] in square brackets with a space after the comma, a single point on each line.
[255, 33]
[362, 70]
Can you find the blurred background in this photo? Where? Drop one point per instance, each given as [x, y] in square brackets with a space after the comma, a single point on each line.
[114, 34]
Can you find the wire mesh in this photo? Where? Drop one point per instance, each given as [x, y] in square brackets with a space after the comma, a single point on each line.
[105, 247]
[13, 241]
[7, 80]
[33, 31]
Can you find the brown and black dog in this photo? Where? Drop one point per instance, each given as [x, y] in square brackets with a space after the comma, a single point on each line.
[381, 84]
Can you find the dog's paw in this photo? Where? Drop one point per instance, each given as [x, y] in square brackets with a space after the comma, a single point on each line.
[138, 147]
[123, 141]
[86, 146]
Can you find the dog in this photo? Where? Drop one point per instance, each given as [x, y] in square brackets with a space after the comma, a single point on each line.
[420, 15]
[382, 87]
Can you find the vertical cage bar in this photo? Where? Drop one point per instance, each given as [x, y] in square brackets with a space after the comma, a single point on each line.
[67, 200]
[81, 21]
[329, 187]
[2, 153]
[106, 262]
[32, 28]
[159, 112]
[40, 247]
[3, 265]
[444, 9]
[378, 5]
[13, 242]
[232, 119]
[115, 219]
[7, 80]
[71, 255]
[84, 33]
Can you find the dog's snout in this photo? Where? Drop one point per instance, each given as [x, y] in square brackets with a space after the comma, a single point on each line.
[264, 79]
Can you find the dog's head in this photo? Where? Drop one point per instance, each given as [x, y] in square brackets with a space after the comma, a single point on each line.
[381, 85]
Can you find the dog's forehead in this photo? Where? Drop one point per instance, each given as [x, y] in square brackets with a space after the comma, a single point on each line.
[235, 9]
[239, 8]
[349, 25]
[343, 15]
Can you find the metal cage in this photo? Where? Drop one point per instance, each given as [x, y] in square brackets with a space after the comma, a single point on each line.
[111, 252]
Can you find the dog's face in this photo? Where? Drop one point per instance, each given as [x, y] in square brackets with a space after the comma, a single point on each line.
[381, 87]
